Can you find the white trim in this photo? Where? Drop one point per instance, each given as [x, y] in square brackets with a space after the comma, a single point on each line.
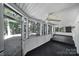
[14, 9]
[10, 36]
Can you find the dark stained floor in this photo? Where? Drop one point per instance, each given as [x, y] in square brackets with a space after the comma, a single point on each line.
[55, 48]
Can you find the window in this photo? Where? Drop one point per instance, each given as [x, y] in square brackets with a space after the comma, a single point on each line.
[12, 22]
[34, 28]
[61, 29]
[68, 29]
[44, 29]
[49, 29]
[38, 29]
[31, 28]
[56, 29]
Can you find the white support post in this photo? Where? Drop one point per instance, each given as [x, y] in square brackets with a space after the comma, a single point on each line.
[8, 27]
[27, 28]
[53, 29]
[47, 29]
[40, 28]
[24, 23]
[64, 29]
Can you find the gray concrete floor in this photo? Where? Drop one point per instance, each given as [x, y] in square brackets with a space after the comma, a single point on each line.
[12, 46]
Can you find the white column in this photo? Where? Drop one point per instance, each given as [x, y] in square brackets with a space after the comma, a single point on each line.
[8, 27]
[40, 28]
[47, 28]
[64, 29]
[22, 28]
[27, 28]
[52, 29]
[24, 23]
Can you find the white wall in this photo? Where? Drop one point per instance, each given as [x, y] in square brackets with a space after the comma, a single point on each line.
[75, 32]
[34, 42]
[70, 17]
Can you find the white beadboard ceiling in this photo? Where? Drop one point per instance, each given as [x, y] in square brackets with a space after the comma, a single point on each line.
[42, 10]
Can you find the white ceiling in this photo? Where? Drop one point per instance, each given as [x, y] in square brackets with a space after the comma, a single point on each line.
[42, 10]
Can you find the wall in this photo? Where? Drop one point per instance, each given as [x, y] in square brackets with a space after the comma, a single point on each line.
[75, 32]
[70, 17]
[34, 42]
